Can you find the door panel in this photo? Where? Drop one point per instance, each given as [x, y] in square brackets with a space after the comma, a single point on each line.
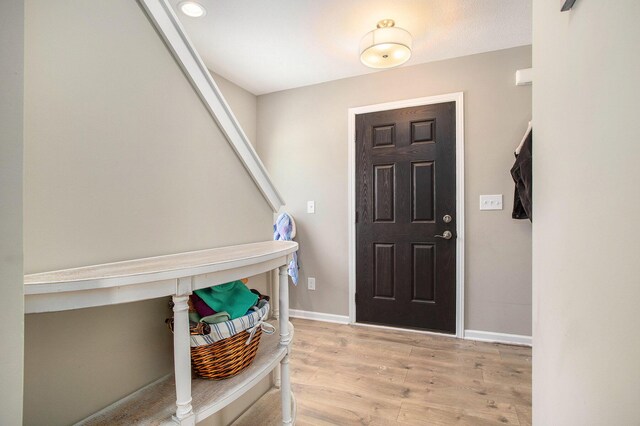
[384, 193]
[383, 136]
[384, 260]
[423, 192]
[423, 279]
[405, 185]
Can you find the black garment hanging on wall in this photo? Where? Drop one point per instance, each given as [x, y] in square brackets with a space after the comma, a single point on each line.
[521, 172]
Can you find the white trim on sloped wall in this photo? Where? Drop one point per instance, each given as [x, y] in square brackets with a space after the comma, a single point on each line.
[168, 26]
[458, 98]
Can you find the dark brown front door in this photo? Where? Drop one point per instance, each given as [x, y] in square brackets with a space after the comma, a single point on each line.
[405, 186]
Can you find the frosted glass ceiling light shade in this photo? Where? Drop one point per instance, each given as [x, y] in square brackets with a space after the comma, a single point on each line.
[385, 47]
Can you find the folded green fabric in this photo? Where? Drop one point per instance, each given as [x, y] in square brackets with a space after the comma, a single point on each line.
[234, 298]
[216, 318]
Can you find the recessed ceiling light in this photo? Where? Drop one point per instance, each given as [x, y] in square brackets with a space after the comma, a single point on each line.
[192, 9]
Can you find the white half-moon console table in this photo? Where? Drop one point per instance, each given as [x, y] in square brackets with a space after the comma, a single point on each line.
[177, 398]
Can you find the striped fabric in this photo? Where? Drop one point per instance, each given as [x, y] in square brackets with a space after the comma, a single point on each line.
[226, 329]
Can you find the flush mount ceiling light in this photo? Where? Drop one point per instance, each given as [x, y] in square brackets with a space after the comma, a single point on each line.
[192, 9]
[385, 47]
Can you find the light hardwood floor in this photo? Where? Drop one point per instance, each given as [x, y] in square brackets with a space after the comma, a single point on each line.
[353, 375]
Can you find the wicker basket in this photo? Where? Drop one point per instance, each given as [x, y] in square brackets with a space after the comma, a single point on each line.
[225, 358]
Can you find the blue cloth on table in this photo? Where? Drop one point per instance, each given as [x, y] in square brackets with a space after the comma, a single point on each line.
[282, 232]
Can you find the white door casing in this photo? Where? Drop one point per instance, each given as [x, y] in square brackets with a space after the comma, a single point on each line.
[458, 98]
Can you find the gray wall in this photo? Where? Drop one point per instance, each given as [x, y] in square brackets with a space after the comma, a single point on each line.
[302, 136]
[586, 238]
[11, 137]
[244, 105]
[121, 161]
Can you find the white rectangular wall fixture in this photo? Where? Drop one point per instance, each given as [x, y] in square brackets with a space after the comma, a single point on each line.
[491, 202]
[524, 77]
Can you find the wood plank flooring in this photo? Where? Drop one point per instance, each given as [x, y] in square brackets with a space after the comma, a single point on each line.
[353, 375]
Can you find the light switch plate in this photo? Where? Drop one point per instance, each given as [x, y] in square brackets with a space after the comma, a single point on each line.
[311, 283]
[311, 206]
[491, 202]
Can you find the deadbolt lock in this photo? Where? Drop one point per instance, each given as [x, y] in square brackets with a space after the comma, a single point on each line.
[447, 218]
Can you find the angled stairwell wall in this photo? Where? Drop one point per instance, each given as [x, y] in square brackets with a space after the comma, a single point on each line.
[122, 160]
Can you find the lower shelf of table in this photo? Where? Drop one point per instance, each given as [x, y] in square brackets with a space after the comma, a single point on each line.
[156, 403]
[266, 411]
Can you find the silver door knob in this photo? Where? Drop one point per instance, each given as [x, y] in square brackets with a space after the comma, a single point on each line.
[447, 235]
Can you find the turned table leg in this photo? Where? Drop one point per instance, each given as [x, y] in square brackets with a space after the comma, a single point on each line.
[285, 339]
[182, 357]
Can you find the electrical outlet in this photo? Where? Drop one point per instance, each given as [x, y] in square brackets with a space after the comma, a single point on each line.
[491, 202]
[311, 283]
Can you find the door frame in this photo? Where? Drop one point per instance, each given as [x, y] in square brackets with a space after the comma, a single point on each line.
[458, 98]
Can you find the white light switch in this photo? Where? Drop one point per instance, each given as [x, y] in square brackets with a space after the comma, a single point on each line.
[311, 283]
[311, 206]
[491, 202]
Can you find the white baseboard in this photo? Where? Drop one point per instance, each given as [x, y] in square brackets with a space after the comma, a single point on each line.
[489, 336]
[319, 316]
[481, 336]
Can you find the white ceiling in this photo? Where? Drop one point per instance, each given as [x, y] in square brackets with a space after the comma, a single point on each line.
[270, 45]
